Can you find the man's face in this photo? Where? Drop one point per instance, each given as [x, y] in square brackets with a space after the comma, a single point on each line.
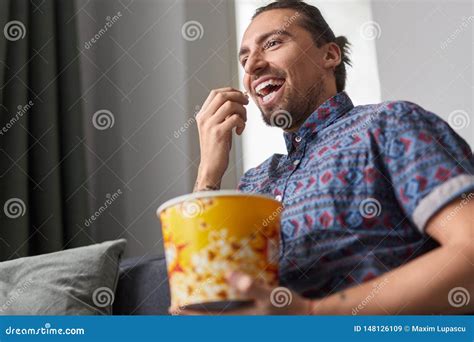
[283, 67]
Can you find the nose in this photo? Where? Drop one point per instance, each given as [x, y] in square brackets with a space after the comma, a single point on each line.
[255, 63]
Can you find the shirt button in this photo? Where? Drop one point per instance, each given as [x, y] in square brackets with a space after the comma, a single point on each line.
[296, 162]
[298, 139]
[278, 198]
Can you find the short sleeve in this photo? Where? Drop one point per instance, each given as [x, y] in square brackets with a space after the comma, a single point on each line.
[427, 162]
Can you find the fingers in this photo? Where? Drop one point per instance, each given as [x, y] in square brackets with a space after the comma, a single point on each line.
[233, 121]
[226, 110]
[213, 94]
[219, 99]
[240, 130]
[248, 286]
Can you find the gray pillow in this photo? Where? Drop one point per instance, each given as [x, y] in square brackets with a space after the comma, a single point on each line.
[79, 281]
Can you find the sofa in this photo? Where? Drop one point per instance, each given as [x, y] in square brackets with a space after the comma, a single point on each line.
[142, 288]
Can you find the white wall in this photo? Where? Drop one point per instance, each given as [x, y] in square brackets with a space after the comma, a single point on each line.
[425, 54]
[345, 18]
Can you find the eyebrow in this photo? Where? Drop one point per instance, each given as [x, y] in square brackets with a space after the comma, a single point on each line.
[263, 37]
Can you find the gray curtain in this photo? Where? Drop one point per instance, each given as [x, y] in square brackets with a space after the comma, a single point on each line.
[43, 194]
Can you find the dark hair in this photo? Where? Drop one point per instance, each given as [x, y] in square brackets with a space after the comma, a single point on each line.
[313, 21]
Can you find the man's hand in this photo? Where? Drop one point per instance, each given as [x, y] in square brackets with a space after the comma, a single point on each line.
[222, 111]
[267, 300]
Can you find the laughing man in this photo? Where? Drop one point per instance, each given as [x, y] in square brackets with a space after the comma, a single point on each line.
[379, 201]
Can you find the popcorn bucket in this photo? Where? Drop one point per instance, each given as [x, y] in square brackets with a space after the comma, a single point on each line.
[208, 234]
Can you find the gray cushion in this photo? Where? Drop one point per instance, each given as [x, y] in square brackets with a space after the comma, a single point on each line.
[143, 287]
[79, 281]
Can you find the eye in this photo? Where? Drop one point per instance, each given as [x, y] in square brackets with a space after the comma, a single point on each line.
[271, 43]
[244, 60]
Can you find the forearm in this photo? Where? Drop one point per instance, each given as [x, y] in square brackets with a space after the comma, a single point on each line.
[419, 287]
[206, 182]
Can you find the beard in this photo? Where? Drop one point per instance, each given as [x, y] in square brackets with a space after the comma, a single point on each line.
[294, 107]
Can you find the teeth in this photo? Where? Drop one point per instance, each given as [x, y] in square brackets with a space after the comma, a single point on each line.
[268, 97]
[272, 81]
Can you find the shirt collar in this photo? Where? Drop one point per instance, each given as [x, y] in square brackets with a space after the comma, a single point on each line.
[322, 117]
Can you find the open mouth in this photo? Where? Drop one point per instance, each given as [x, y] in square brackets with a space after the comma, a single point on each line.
[267, 91]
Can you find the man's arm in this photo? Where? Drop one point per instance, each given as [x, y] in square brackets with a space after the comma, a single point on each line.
[222, 112]
[206, 183]
[421, 286]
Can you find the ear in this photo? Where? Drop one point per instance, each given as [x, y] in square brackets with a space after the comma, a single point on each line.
[332, 56]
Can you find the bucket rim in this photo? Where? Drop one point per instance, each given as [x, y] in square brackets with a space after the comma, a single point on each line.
[206, 194]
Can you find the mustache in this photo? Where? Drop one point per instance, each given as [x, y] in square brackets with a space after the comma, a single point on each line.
[273, 72]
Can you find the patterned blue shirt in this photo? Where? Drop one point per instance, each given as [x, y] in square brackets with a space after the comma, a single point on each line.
[358, 186]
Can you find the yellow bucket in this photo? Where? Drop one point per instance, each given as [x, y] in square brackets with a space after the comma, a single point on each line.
[207, 234]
